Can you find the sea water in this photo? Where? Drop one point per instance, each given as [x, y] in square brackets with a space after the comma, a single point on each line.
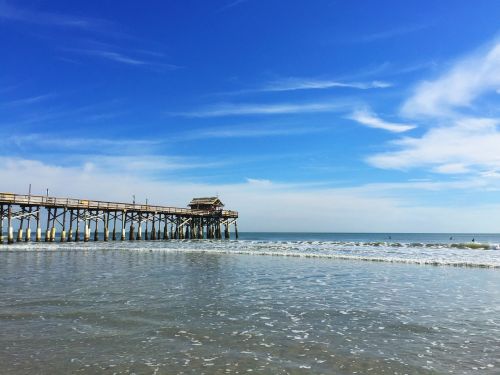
[312, 303]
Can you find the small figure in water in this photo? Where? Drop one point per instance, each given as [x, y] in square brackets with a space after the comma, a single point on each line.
[390, 237]
[451, 238]
[473, 240]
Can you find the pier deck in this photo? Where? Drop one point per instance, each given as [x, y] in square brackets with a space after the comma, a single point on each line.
[66, 216]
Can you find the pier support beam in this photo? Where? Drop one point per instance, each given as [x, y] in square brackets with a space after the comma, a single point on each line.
[146, 230]
[124, 216]
[47, 229]
[77, 232]
[153, 229]
[1, 223]
[63, 230]
[159, 227]
[106, 226]
[96, 226]
[165, 227]
[86, 234]
[115, 214]
[139, 228]
[28, 229]
[131, 230]
[10, 234]
[38, 236]
[53, 229]
[20, 230]
[70, 233]
[200, 229]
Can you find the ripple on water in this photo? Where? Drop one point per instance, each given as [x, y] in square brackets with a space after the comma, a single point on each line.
[189, 307]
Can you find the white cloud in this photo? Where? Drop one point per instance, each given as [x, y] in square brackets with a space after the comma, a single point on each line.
[263, 205]
[455, 143]
[82, 144]
[468, 78]
[123, 57]
[249, 131]
[465, 145]
[369, 119]
[292, 84]
[262, 109]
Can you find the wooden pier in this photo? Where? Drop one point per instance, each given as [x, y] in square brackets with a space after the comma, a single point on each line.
[69, 219]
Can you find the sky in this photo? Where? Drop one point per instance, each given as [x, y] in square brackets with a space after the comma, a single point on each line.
[318, 116]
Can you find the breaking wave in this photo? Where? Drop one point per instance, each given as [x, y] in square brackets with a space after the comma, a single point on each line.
[439, 254]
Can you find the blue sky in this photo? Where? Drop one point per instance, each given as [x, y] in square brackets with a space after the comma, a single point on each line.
[317, 116]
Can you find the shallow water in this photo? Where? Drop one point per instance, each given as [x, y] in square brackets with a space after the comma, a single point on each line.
[211, 307]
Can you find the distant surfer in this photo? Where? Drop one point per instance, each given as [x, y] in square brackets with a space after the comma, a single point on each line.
[473, 239]
[451, 238]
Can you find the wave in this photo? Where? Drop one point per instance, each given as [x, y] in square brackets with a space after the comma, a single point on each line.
[437, 254]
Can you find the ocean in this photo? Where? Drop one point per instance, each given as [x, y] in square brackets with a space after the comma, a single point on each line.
[269, 303]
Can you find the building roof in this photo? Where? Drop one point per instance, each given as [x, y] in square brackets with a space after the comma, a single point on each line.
[210, 201]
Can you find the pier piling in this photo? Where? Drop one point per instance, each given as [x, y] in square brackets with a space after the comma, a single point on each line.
[1, 223]
[123, 225]
[10, 234]
[77, 223]
[63, 230]
[28, 229]
[115, 214]
[38, 236]
[96, 226]
[53, 229]
[70, 233]
[20, 230]
[106, 226]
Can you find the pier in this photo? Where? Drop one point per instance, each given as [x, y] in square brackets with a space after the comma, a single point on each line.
[69, 219]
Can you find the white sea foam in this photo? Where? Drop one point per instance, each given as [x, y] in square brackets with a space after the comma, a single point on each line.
[455, 254]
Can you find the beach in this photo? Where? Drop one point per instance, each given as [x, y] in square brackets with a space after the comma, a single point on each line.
[219, 307]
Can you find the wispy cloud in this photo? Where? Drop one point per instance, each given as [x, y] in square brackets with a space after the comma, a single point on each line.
[262, 109]
[114, 56]
[130, 56]
[301, 83]
[250, 132]
[232, 4]
[469, 78]
[28, 100]
[386, 34]
[368, 118]
[148, 164]
[292, 84]
[54, 142]
[9, 12]
[55, 113]
[456, 142]
[122, 58]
